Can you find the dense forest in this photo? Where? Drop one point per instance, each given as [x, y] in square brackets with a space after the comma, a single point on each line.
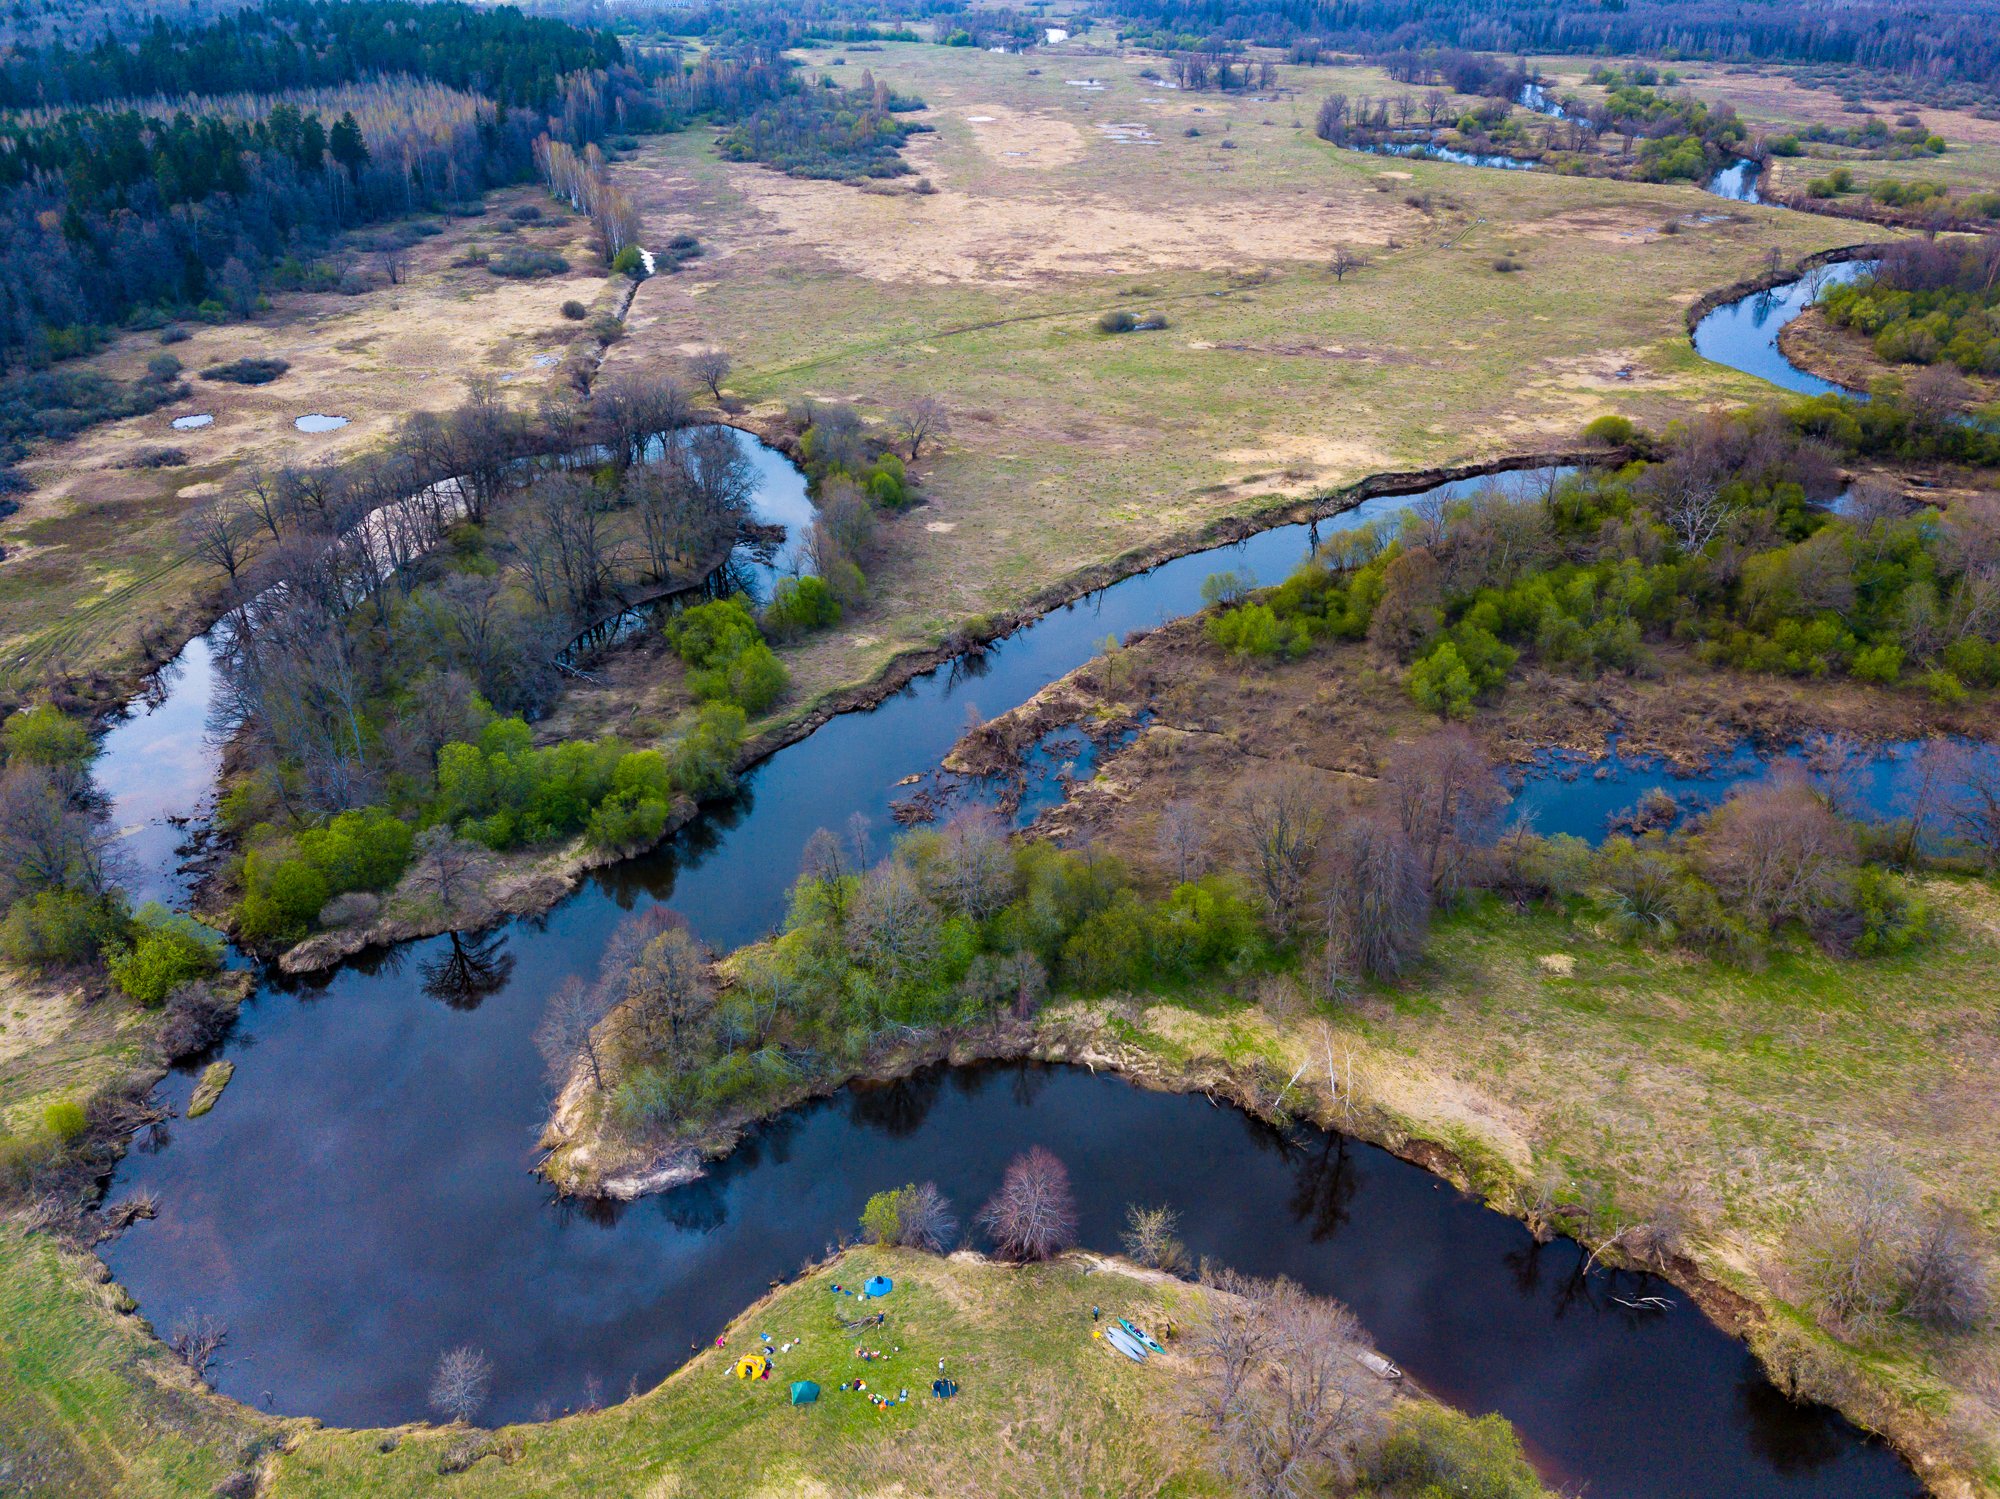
[295, 44]
[127, 204]
[1952, 41]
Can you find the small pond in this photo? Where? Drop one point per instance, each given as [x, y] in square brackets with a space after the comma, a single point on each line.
[319, 422]
[191, 423]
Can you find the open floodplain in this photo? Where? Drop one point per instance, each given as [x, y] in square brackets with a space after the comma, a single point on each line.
[496, 1192]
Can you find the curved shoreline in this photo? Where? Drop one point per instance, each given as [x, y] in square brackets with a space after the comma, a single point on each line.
[1736, 291]
[551, 876]
[1735, 1313]
[1065, 1037]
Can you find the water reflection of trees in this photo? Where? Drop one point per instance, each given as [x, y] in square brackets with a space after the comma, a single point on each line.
[1791, 1437]
[468, 970]
[1325, 1180]
[700, 1207]
[897, 1108]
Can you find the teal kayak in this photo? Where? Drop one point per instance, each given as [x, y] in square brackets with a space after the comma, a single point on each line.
[1126, 1344]
[1141, 1335]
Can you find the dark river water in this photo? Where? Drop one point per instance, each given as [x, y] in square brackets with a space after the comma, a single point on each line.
[362, 1196]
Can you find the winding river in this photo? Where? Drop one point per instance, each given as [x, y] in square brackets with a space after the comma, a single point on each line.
[362, 1196]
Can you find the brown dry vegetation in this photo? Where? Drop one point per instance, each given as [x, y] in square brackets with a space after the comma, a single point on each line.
[1070, 447]
[1555, 1055]
[94, 566]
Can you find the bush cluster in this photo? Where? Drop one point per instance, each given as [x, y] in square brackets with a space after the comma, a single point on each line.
[726, 656]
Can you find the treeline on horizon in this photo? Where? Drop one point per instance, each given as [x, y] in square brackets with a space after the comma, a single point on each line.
[133, 203]
[1954, 41]
[283, 45]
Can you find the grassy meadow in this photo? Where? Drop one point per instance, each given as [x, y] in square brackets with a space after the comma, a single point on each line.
[1056, 203]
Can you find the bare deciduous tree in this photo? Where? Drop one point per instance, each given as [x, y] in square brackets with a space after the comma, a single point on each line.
[460, 1383]
[196, 1338]
[1152, 1237]
[669, 996]
[1971, 772]
[974, 873]
[1345, 258]
[449, 871]
[924, 1219]
[919, 422]
[1848, 1243]
[710, 368]
[1033, 1215]
[1377, 902]
[1945, 1280]
[1278, 821]
[215, 532]
[1444, 795]
[1278, 1388]
[893, 927]
[633, 412]
[1183, 840]
[567, 1035]
[1774, 851]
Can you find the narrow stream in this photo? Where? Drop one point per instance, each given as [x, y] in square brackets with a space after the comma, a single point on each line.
[362, 1198]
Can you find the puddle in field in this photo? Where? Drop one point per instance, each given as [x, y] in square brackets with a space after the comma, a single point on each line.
[189, 423]
[319, 422]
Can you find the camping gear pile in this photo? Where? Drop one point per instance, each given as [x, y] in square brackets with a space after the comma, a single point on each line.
[759, 1365]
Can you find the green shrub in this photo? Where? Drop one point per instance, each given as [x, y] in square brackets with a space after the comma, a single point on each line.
[1612, 430]
[281, 895]
[527, 265]
[727, 658]
[800, 606]
[166, 950]
[65, 1121]
[756, 679]
[45, 735]
[1434, 1450]
[1255, 630]
[361, 850]
[1944, 688]
[1892, 917]
[709, 636]
[704, 762]
[1117, 321]
[56, 927]
[1441, 683]
[881, 1217]
[246, 371]
[1878, 663]
[628, 262]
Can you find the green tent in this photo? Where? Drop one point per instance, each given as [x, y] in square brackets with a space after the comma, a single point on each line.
[805, 1392]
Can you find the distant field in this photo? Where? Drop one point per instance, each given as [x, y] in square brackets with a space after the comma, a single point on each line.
[1057, 202]
[94, 557]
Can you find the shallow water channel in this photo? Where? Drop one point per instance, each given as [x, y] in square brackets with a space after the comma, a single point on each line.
[361, 1197]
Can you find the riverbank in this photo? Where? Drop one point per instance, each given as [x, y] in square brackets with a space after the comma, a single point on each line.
[1579, 1082]
[1041, 1408]
[1848, 359]
[532, 882]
